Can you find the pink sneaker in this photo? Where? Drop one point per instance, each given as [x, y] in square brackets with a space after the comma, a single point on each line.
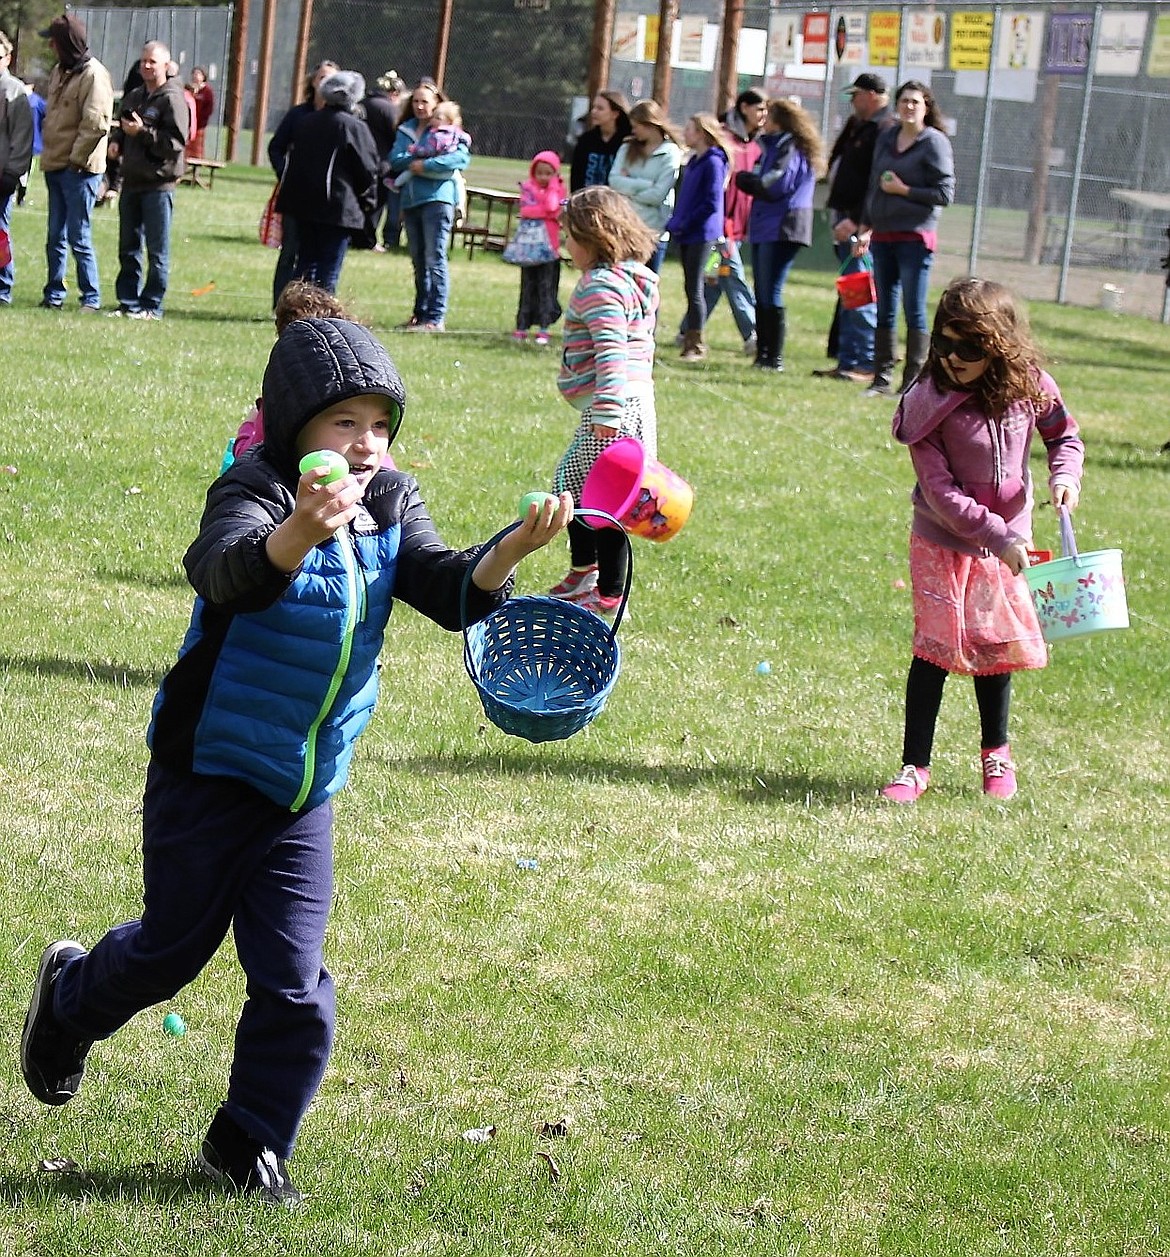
[908, 786]
[577, 583]
[519, 337]
[541, 339]
[601, 605]
[999, 773]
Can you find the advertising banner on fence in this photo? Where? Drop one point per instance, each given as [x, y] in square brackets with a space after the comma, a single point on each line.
[1158, 64]
[782, 40]
[849, 38]
[627, 37]
[1021, 41]
[971, 40]
[926, 37]
[1119, 44]
[1070, 36]
[885, 38]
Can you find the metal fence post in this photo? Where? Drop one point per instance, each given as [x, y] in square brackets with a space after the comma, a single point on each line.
[1075, 188]
[981, 175]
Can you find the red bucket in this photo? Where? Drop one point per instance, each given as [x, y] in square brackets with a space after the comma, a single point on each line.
[856, 289]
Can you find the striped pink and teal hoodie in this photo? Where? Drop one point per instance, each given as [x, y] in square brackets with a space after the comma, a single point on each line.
[609, 338]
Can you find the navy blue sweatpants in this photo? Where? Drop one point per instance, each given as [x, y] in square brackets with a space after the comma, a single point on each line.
[217, 854]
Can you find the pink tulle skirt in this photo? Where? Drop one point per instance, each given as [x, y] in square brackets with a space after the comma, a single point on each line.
[971, 615]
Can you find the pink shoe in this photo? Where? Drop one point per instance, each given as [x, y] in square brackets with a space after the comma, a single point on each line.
[541, 340]
[602, 605]
[577, 583]
[908, 786]
[999, 773]
[519, 337]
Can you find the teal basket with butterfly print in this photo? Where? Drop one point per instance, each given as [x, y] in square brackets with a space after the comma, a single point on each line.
[1078, 594]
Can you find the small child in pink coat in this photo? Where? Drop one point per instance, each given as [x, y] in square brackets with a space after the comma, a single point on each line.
[541, 195]
[968, 422]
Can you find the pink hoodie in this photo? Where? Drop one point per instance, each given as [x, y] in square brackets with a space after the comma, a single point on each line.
[538, 202]
[974, 490]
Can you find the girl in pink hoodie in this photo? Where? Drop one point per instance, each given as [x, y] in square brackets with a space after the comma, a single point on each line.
[541, 195]
[968, 421]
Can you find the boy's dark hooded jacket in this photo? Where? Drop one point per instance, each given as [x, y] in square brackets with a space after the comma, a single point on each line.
[277, 675]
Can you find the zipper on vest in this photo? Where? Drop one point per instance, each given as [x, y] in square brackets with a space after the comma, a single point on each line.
[351, 599]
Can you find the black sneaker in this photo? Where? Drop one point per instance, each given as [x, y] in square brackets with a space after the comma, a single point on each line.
[240, 1163]
[51, 1058]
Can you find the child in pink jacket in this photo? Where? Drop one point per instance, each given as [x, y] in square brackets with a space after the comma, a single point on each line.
[541, 195]
[968, 421]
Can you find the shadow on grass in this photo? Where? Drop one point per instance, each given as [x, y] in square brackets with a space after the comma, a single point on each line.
[148, 1182]
[175, 579]
[120, 675]
[749, 784]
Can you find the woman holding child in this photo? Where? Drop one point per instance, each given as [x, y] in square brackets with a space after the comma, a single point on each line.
[429, 199]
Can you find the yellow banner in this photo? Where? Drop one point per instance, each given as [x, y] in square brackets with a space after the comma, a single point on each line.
[971, 40]
[885, 37]
[1158, 64]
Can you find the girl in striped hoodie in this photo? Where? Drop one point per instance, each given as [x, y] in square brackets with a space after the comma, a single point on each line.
[605, 373]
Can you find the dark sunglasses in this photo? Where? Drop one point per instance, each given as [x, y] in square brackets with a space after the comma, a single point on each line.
[964, 350]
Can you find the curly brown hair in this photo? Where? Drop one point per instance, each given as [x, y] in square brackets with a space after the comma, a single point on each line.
[988, 314]
[605, 224]
[301, 300]
[791, 117]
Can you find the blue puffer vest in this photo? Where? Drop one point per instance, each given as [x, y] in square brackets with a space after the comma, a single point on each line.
[277, 674]
[294, 685]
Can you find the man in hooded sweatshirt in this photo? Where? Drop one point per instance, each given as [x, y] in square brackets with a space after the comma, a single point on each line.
[329, 177]
[153, 127]
[77, 121]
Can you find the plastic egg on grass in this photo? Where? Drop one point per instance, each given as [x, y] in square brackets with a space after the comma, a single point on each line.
[174, 1026]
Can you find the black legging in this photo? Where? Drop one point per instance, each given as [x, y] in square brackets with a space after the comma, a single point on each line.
[924, 691]
[607, 548]
[694, 261]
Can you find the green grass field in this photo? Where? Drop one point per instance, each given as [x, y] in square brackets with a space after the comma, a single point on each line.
[782, 1017]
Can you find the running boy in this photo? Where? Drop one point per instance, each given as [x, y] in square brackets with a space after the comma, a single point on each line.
[252, 733]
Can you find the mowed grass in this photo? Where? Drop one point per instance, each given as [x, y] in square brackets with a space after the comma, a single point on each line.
[780, 1017]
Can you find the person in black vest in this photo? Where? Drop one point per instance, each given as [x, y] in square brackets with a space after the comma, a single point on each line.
[380, 109]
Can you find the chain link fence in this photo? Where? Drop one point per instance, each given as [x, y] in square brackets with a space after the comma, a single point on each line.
[1058, 113]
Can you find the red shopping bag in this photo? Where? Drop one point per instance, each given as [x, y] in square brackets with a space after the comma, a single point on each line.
[272, 223]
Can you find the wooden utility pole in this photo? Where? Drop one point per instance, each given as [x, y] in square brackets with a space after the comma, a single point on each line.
[263, 81]
[237, 54]
[442, 41]
[600, 44]
[667, 13]
[301, 56]
[727, 83]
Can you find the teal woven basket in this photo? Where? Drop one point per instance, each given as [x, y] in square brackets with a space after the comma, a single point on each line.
[543, 668]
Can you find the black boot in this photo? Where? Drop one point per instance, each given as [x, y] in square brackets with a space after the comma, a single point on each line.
[781, 329]
[917, 349]
[883, 363]
[766, 333]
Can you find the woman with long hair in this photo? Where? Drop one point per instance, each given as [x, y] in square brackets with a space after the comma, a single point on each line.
[429, 199]
[595, 151]
[646, 169]
[912, 179]
[781, 185]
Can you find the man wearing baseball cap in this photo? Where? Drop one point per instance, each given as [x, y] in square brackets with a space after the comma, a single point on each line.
[849, 167]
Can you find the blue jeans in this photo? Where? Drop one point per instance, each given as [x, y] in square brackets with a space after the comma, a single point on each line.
[901, 270]
[218, 855]
[657, 257]
[739, 295]
[143, 217]
[7, 273]
[428, 229]
[854, 327]
[771, 262]
[72, 196]
[320, 253]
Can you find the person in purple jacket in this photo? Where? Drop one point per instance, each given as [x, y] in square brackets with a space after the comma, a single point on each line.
[781, 222]
[697, 221]
[968, 421]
